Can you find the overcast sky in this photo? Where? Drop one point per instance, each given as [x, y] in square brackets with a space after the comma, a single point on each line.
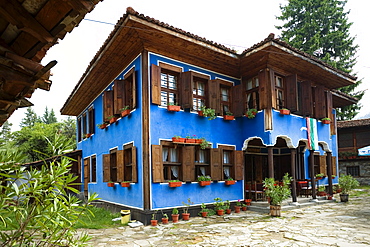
[238, 24]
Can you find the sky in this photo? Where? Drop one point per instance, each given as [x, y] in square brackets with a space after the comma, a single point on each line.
[237, 24]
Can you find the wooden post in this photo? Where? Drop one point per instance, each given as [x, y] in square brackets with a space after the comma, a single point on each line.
[329, 171]
[293, 153]
[311, 163]
[270, 161]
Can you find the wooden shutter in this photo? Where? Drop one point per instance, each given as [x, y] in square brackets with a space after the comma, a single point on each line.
[334, 165]
[320, 102]
[262, 88]
[120, 159]
[118, 92]
[156, 84]
[329, 112]
[322, 168]
[133, 86]
[187, 163]
[238, 170]
[291, 92]
[157, 164]
[134, 165]
[213, 97]
[106, 168]
[86, 171]
[108, 104]
[271, 92]
[306, 100]
[91, 117]
[216, 164]
[238, 100]
[186, 90]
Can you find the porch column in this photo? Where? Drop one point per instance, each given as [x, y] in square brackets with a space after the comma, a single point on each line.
[270, 161]
[311, 161]
[293, 153]
[329, 171]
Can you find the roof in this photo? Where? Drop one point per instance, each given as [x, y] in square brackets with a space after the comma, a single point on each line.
[135, 33]
[28, 28]
[353, 123]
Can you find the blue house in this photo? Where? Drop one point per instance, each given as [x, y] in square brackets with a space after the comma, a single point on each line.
[147, 66]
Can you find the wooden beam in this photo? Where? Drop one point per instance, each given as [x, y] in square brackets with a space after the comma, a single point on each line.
[13, 12]
[81, 6]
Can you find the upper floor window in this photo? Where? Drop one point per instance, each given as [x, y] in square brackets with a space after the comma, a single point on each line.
[225, 99]
[279, 88]
[199, 93]
[169, 87]
[252, 94]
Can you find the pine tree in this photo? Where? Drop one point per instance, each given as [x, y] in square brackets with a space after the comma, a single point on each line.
[5, 132]
[321, 28]
[49, 117]
[30, 119]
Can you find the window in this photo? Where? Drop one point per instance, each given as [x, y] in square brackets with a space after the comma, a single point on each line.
[79, 129]
[225, 99]
[91, 120]
[120, 165]
[202, 162]
[84, 125]
[169, 87]
[252, 94]
[227, 163]
[279, 89]
[354, 171]
[93, 169]
[232, 163]
[199, 93]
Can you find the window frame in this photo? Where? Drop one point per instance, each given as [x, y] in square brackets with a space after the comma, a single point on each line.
[280, 90]
[253, 91]
[199, 100]
[168, 90]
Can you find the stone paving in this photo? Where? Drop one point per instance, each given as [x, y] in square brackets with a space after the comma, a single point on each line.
[328, 224]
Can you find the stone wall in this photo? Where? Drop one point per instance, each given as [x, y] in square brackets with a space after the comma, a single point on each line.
[364, 165]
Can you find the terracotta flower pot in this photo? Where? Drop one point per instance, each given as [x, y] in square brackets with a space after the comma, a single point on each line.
[189, 140]
[228, 211]
[204, 183]
[248, 201]
[198, 141]
[244, 208]
[165, 220]
[175, 218]
[103, 126]
[200, 113]
[154, 222]
[220, 212]
[185, 216]
[284, 111]
[325, 121]
[110, 184]
[179, 140]
[173, 108]
[113, 120]
[125, 184]
[230, 182]
[237, 209]
[228, 117]
[125, 113]
[174, 184]
[204, 214]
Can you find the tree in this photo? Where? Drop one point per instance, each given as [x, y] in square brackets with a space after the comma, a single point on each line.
[5, 132]
[49, 117]
[321, 28]
[30, 119]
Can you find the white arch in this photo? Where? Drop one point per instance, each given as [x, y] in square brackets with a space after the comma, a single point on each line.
[325, 146]
[245, 144]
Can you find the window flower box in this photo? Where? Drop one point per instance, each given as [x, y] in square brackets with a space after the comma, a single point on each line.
[102, 126]
[178, 139]
[204, 183]
[189, 140]
[125, 111]
[173, 108]
[326, 120]
[174, 184]
[229, 116]
[125, 184]
[284, 112]
[110, 184]
[112, 119]
[88, 135]
[230, 182]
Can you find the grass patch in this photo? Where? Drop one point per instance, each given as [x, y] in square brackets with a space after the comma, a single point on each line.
[102, 219]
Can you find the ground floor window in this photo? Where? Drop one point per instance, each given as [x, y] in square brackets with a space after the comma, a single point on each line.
[354, 171]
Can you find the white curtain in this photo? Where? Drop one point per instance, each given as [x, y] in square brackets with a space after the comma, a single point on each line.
[164, 154]
[202, 156]
[227, 172]
[173, 155]
[175, 171]
[203, 171]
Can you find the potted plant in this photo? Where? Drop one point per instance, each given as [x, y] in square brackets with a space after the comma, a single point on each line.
[229, 116]
[173, 107]
[112, 119]
[326, 120]
[164, 218]
[204, 144]
[237, 206]
[204, 180]
[102, 125]
[219, 206]
[174, 183]
[178, 139]
[248, 201]
[153, 221]
[186, 214]
[227, 207]
[125, 184]
[88, 135]
[207, 112]
[251, 113]
[230, 181]
[347, 183]
[190, 139]
[175, 215]
[125, 111]
[244, 207]
[321, 190]
[319, 176]
[277, 192]
[338, 189]
[284, 111]
[110, 184]
[203, 210]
